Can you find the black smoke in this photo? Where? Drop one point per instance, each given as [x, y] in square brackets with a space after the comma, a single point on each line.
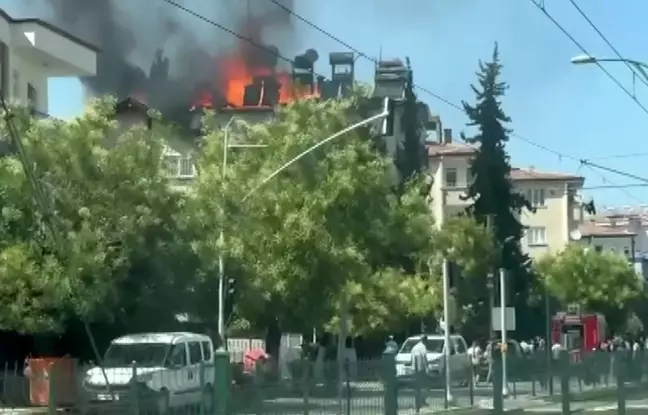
[153, 49]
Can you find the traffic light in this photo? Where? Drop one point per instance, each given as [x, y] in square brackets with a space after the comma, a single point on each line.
[230, 295]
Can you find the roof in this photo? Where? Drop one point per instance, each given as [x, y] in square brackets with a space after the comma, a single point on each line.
[449, 149]
[592, 229]
[517, 173]
[51, 27]
[533, 174]
[156, 337]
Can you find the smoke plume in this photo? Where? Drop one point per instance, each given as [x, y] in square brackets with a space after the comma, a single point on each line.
[155, 50]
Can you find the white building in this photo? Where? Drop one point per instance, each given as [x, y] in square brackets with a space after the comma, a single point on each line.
[31, 51]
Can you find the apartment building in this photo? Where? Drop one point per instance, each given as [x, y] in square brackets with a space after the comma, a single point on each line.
[554, 195]
[31, 51]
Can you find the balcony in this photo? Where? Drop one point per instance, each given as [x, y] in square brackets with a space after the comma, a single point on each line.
[452, 196]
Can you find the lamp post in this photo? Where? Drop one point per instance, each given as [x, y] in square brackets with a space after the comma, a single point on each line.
[641, 67]
[221, 237]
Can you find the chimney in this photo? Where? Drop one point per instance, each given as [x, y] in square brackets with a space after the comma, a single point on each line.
[390, 79]
[447, 135]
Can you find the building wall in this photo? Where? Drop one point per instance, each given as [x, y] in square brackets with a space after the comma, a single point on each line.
[33, 54]
[554, 219]
[614, 244]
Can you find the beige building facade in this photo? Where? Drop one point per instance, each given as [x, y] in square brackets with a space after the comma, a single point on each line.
[555, 196]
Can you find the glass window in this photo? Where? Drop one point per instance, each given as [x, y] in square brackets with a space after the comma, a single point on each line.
[460, 346]
[32, 96]
[195, 353]
[536, 197]
[432, 345]
[178, 355]
[143, 354]
[451, 177]
[172, 165]
[537, 236]
[207, 350]
[186, 167]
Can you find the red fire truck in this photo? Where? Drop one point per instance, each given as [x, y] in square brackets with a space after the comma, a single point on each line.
[578, 332]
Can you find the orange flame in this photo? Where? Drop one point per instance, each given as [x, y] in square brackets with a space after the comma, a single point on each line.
[233, 73]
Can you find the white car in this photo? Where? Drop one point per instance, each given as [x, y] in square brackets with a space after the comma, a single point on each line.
[435, 344]
[163, 367]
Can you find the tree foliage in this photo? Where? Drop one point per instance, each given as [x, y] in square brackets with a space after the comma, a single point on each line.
[327, 226]
[491, 190]
[411, 154]
[596, 281]
[97, 246]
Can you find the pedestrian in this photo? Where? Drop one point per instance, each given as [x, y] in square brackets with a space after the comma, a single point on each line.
[420, 365]
[391, 345]
[475, 354]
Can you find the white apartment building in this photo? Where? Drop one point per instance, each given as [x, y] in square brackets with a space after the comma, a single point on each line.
[31, 51]
[555, 196]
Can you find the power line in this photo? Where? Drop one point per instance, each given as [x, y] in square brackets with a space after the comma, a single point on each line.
[607, 41]
[619, 156]
[528, 141]
[544, 11]
[419, 87]
[615, 186]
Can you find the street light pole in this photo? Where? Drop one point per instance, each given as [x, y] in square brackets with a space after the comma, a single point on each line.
[446, 332]
[503, 323]
[366, 121]
[221, 237]
[226, 146]
[641, 67]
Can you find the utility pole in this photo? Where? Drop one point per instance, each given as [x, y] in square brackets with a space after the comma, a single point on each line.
[221, 237]
[490, 283]
[504, 331]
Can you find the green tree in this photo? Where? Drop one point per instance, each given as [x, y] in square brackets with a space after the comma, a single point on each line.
[491, 190]
[471, 246]
[411, 154]
[596, 281]
[324, 227]
[94, 236]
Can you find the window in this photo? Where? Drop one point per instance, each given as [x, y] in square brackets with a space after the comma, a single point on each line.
[32, 96]
[460, 346]
[536, 197]
[195, 354]
[451, 177]
[207, 351]
[16, 85]
[178, 355]
[172, 165]
[537, 236]
[186, 167]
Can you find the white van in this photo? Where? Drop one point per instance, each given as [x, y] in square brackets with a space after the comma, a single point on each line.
[166, 367]
[435, 344]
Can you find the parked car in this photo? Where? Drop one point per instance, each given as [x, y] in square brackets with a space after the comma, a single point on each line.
[163, 368]
[435, 344]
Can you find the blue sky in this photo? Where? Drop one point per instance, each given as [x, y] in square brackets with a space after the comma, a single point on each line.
[574, 110]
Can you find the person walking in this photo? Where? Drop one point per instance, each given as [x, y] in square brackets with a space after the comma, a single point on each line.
[420, 365]
[475, 354]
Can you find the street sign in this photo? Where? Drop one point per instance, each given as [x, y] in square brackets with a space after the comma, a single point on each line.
[496, 318]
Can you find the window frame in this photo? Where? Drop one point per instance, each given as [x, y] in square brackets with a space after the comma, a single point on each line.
[194, 346]
[531, 241]
[447, 183]
[183, 162]
[536, 196]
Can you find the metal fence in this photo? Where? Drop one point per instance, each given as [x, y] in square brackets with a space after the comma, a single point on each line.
[538, 383]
